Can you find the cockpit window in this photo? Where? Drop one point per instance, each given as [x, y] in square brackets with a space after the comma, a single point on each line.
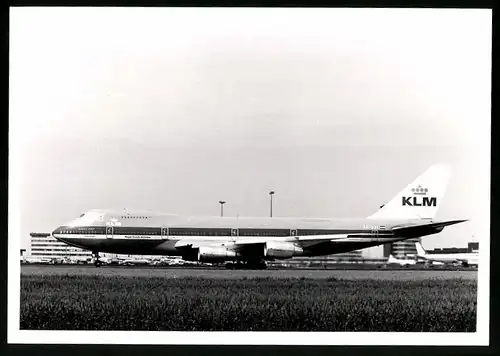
[81, 216]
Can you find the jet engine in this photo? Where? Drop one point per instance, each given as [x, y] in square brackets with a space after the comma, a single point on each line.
[210, 254]
[281, 249]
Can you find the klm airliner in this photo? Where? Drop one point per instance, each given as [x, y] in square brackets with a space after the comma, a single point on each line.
[251, 241]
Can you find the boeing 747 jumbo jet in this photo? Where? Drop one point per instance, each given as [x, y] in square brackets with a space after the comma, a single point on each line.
[251, 241]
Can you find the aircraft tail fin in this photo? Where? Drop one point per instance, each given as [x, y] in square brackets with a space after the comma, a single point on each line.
[419, 199]
[420, 249]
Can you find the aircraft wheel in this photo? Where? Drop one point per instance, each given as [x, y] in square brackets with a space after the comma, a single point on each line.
[256, 265]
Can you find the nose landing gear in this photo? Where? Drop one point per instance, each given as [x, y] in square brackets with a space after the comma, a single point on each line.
[97, 262]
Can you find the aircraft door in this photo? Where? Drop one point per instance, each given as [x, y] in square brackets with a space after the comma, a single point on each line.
[109, 232]
[234, 234]
[374, 233]
[293, 233]
[164, 233]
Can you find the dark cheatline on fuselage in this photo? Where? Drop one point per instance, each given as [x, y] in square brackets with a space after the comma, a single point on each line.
[127, 247]
[193, 232]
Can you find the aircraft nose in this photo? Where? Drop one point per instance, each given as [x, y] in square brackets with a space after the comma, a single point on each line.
[56, 231]
[60, 230]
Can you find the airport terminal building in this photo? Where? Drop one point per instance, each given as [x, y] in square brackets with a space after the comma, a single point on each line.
[45, 246]
[472, 247]
[401, 249]
[320, 261]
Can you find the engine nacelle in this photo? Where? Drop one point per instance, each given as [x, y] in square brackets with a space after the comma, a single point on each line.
[215, 254]
[281, 249]
[192, 254]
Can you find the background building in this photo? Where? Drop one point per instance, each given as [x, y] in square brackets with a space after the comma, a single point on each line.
[400, 249]
[448, 250]
[352, 256]
[320, 261]
[473, 247]
[45, 246]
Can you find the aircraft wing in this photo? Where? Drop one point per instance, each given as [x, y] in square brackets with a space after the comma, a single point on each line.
[244, 243]
[303, 241]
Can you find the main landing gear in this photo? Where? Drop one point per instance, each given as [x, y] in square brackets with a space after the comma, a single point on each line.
[247, 265]
[97, 261]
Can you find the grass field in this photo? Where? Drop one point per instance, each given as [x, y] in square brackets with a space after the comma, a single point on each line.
[170, 272]
[72, 302]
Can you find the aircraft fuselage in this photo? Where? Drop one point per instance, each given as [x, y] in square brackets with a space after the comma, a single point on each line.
[149, 233]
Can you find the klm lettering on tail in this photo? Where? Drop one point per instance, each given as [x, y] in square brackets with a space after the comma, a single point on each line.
[415, 201]
[419, 198]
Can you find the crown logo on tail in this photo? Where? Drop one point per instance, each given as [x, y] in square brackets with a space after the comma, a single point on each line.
[419, 190]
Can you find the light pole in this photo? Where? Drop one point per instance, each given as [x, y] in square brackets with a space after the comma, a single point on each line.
[271, 193]
[222, 202]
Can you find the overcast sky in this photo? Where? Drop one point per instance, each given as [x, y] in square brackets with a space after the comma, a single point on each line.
[175, 109]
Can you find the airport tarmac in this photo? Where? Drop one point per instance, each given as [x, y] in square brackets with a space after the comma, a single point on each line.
[108, 271]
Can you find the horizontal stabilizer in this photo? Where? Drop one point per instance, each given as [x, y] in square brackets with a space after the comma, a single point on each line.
[424, 229]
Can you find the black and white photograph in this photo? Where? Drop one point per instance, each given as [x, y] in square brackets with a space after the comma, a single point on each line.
[279, 176]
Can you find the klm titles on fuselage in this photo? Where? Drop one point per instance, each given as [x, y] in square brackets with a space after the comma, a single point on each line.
[419, 198]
